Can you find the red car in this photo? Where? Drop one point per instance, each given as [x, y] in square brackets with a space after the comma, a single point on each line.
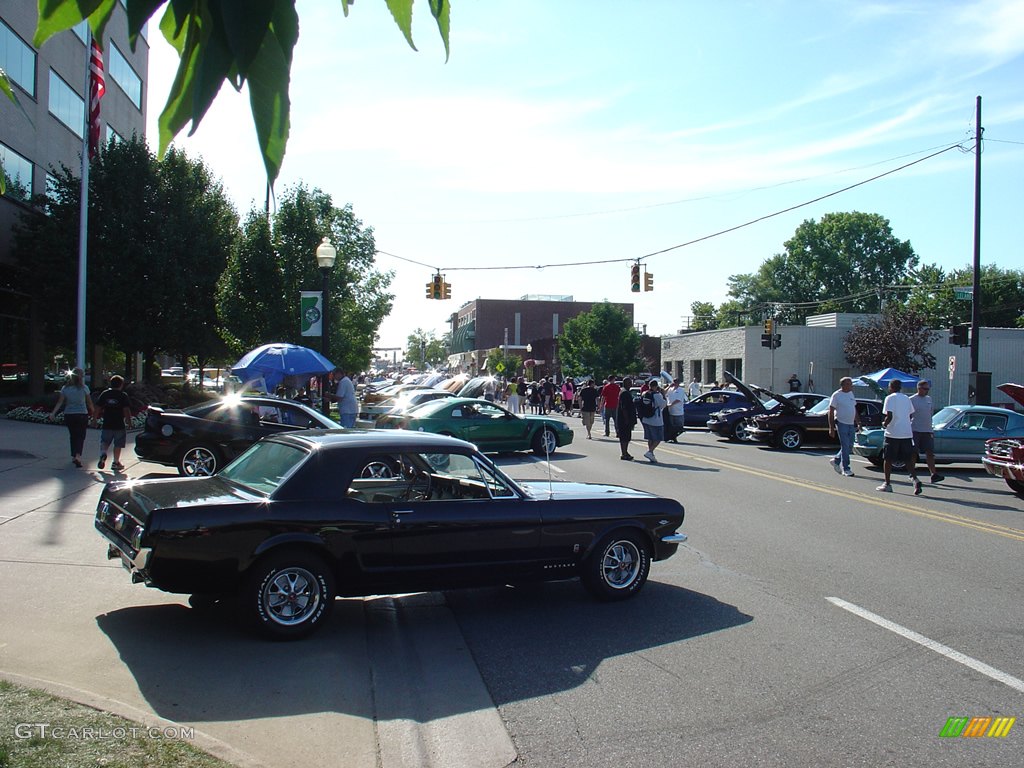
[1004, 456]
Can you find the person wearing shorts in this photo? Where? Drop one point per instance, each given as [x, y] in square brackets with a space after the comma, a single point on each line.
[899, 436]
[115, 418]
[924, 439]
[654, 425]
[588, 405]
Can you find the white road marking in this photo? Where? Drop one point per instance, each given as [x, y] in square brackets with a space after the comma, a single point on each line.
[543, 462]
[979, 666]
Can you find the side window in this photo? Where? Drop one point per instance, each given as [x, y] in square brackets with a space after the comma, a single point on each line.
[386, 478]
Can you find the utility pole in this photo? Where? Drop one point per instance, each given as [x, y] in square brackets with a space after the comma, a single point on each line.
[976, 302]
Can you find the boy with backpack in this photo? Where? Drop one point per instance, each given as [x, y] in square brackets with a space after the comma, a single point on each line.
[649, 409]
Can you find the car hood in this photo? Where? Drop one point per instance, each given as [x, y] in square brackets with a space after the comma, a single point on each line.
[565, 491]
[1016, 391]
[752, 394]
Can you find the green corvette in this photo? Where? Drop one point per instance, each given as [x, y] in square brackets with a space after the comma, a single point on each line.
[487, 425]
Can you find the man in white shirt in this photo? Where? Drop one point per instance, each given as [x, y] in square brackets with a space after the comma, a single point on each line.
[676, 411]
[693, 390]
[899, 436]
[345, 395]
[843, 422]
[924, 439]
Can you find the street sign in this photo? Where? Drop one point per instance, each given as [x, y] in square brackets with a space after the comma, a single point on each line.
[952, 366]
[964, 294]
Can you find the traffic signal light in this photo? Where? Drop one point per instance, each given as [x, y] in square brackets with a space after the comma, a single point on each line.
[446, 290]
[958, 335]
[634, 278]
[769, 326]
[648, 281]
[430, 289]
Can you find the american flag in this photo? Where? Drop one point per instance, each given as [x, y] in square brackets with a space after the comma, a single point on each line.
[97, 88]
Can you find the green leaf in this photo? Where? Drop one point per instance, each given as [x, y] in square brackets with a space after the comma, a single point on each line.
[245, 24]
[268, 88]
[58, 15]
[139, 12]
[401, 11]
[442, 13]
[183, 33]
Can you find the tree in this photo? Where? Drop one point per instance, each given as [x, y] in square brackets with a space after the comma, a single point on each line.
[1002, 296]
[899, 338]
[424, 349]
[600, 342]
[238, 41]
[500, 363]
[358, 300]
[703, 316]
[841, 263]
[159, 234]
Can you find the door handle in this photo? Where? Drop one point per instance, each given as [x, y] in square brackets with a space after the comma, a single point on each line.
[397, 514]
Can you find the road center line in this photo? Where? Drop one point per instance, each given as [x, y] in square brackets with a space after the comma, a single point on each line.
[875, 500]
[979, 666]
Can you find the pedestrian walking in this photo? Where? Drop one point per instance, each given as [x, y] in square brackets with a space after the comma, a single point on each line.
[115, 414]
[568, 395]
[843, 421]
[76, 402]
[489, 390]
[899, 436]
[625, 418]
[693, 388]
[588, 405]
[676, 421]
[921, 423]
[609, 404]
[654, 424]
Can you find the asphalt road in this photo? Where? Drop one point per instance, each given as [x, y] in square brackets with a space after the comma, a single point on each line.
[809, 621]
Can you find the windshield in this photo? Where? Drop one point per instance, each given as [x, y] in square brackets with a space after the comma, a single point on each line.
[821, 407]
[944, 417]
[264, 466]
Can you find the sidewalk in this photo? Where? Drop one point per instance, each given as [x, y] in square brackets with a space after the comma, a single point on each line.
[388, 682]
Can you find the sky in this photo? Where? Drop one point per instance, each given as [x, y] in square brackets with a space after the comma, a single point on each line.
[591, 133]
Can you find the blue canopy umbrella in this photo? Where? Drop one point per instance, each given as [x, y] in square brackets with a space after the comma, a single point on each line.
[879, 380]
[273, 362]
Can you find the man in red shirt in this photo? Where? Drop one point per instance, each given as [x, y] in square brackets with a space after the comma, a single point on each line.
[609, 402]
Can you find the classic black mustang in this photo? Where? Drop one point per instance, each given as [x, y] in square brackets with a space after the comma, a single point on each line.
[304, 516]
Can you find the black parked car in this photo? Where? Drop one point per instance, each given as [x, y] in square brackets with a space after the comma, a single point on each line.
[699, 410]
[202, 439]
[792, 430]
[733, 422]
[305, 516]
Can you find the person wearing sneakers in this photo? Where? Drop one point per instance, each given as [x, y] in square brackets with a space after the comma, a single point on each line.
[116, 416]
[654, 425]
[625, 418]
[843, 421]
[899, 436]
[588, 405]
[924, 440]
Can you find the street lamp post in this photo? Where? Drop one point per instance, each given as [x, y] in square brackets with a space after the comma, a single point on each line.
[325, 256]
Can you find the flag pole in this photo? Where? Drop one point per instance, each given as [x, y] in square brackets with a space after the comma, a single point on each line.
[83, 219]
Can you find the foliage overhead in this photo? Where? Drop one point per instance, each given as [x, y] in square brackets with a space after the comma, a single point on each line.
[236, 41]
[899, 338]
[600, 343]
[1002, 296]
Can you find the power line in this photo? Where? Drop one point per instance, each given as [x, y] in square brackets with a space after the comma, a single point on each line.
[689, 242]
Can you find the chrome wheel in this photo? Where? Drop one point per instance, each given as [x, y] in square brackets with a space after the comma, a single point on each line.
[380, 469]
[291, 596]
[198, 461]
[620, 564]
[791, 439]
[545, 442]
[618, 567]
